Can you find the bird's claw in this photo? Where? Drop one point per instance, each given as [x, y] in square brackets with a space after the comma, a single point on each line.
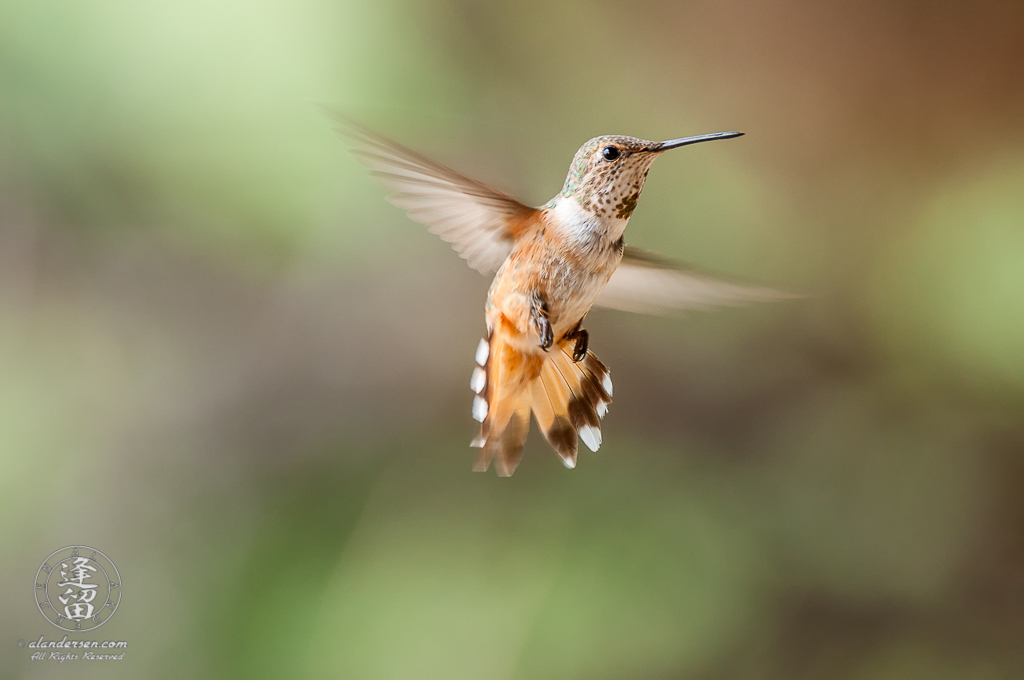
[579, 351]
[582, 338]
[547, 337]
[539, 319]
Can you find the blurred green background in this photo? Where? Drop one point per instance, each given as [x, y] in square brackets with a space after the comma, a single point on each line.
[229, 364]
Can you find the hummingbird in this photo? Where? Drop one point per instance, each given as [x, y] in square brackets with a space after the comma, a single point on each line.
[551, 264]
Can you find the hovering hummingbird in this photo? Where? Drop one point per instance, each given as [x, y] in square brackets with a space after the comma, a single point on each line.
[553, 263]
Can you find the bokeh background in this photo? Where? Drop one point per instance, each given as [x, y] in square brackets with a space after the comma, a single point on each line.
[229, 364]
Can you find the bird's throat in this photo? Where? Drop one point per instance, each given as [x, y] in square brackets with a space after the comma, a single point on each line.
[584, 230]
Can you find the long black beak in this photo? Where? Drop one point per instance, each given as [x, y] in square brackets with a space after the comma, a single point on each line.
[684, 141]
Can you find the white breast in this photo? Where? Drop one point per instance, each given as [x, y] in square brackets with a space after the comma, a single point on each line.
[593, 240]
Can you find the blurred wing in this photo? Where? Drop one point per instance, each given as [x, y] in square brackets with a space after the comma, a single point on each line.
[481, 224]
[648, 284]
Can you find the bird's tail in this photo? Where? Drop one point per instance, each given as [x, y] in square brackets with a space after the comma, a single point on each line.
[568, 399]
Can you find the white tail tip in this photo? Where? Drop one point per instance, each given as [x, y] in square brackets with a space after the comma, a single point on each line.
[606, 383]
[479, 379]
[482, 350]
[591, 436]
[479, 409]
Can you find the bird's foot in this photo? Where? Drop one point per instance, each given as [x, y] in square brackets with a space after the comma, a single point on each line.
[579, 352]
[547, 336]
[582, 338]
[540, 322]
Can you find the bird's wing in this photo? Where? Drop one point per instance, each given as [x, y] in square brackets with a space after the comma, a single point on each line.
[481, 224]
[648, 284]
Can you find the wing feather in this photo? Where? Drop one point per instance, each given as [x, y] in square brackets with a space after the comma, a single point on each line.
[648, 284]
[481, 224]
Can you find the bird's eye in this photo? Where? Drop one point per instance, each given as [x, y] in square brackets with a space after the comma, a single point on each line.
[610, 153]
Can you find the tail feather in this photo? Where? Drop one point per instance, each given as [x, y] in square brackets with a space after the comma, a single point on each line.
[568, 399]
[551, 400]
[596, 382]
[510, 447]
[589, 400]
[502, 404]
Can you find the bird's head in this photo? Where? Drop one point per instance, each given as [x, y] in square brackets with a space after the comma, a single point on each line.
[608, 173]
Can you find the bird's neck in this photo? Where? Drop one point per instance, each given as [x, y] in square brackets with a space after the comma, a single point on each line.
[582, 228]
